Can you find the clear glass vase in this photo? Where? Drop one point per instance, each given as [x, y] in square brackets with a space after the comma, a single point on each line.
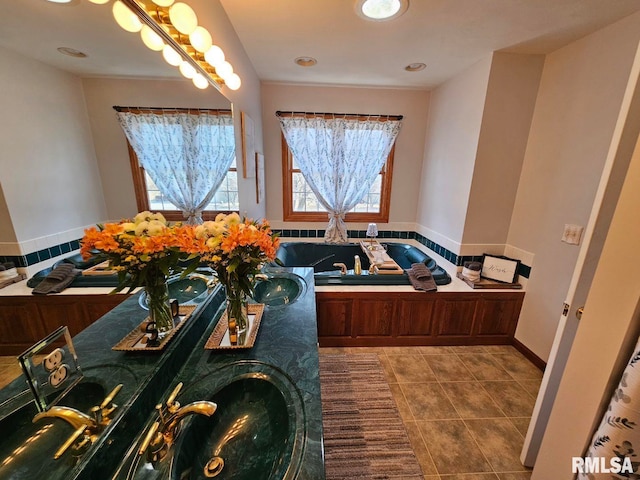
[157, 293]
[237, 316]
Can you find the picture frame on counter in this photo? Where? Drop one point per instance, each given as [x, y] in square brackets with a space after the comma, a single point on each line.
[499, 268]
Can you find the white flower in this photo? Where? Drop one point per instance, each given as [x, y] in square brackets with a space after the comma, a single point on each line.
[141, 228]
[232, 219]
[129, 227]
[155, 227]
[142, 217]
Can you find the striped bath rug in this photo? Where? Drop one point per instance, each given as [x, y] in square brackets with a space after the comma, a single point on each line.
[364, 436]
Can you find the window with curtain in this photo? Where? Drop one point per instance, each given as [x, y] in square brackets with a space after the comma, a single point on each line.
[182, 160]
[337, 167]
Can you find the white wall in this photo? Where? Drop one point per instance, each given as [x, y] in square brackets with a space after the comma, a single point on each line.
[412, 104]
[579, 97]
[455, 117]
[48, 168]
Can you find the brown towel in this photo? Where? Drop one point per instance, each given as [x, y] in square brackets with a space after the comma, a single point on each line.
[59, 279]
[421, 278]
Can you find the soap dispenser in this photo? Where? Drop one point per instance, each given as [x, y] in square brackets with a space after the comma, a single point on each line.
[357, 266]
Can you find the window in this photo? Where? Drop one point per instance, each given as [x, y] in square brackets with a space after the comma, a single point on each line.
[149, 196]
[301, 204]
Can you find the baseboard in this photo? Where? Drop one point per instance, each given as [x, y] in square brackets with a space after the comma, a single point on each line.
[532, 357]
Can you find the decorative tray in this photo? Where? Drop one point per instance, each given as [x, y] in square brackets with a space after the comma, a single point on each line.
[136, 340]
[486, 283]
[219, 338]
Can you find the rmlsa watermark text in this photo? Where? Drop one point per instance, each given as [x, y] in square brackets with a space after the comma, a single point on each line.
[601, 465]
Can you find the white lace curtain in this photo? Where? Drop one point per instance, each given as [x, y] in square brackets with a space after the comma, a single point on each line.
[186, 153]
[340, 158]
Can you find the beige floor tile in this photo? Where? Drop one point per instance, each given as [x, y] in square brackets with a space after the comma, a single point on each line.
[512, 399]
[531, 386]
[483, 366]
[357, 350]
[8, 373]
[432, 477]
[452, 448]
[501, 349]
[401, 403]
[515, 476]
[420, 449]
[389, 375]
[402, 350]
[500, 442]
[521, 423]
[470, 476]
[436, 350]
[411, 369]
[471, 400]
[519, 367]
[448, 368]
[332, 350]
[468, 349]
[428, 401]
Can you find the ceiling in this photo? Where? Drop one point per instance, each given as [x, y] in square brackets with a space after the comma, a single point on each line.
[447, 35]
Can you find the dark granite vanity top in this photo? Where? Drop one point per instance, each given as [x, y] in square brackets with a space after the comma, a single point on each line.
[286, 342]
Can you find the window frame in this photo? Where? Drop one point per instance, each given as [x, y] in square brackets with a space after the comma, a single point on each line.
[289, 215]
[140, 181]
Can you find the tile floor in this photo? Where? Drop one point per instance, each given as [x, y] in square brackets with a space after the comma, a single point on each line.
[466, 409]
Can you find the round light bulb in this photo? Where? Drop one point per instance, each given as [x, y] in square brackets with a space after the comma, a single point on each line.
[128, 20]
[214, 56]
[99, 2]
[163, 3]
[187, 70]
[200, 82]
[171, 56]
[224, 70]
[200, 39]
[151, 39]
[233, 82]
[183, 18]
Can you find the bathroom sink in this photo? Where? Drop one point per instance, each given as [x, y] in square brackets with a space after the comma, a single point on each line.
[257, 432]
[43, 438]
[185, 290]
[280, 289]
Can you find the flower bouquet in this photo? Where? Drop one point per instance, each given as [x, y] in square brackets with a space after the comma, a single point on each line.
[236, 249]
[144, 252]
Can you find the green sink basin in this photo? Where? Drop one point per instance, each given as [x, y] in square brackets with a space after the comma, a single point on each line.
[281, 289]
[257, 432]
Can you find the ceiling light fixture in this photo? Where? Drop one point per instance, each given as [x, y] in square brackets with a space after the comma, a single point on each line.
[381, 10]
[305, 61]
[172, 28]
[415, 67]
[72, 52]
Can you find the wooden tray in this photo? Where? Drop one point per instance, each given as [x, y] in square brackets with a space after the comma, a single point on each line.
[133, 342]
[219, 338]
[386, 264]
[99, 269]
[8, 281]
[485, 283]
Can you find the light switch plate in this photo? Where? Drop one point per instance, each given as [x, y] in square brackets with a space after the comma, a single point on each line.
[572, 234]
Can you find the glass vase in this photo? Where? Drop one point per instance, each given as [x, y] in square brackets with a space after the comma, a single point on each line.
[157, 293]
[237, 316]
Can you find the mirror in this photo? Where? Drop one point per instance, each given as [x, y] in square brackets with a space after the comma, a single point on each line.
[66, 164]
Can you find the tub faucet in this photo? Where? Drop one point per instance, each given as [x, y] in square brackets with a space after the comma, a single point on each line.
[373, 269]
[210, 281]
[162, 434]
[342, 267]
[357, 266]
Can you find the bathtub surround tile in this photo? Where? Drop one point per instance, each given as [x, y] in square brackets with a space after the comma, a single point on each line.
[428, 401]
[500, 442]
[512, 399]
[411, 369]
[519, 367]
[420, 449]
[483, 366]
[470, 400]
[448, 368]
[452, 447]
[521, 424]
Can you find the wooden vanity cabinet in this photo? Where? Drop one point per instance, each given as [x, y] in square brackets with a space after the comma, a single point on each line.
[26, 319]
[408, 318]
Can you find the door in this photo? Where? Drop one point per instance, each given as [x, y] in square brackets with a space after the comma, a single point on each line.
[620, 151]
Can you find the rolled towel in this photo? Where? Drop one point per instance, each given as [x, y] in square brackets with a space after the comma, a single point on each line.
[59, 278]
[425, 282]
[420, 271]
[8, 265]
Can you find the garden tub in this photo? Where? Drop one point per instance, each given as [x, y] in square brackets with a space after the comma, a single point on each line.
[322, 256]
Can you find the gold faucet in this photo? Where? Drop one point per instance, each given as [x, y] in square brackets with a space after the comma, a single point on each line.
[342, 267]
[83, 425]
[210, 281]
[261, 276]
[162, 434]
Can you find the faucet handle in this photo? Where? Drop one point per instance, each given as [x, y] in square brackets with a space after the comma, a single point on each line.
[151, 434]
[72, 441]
[172, 405]
[107, 406]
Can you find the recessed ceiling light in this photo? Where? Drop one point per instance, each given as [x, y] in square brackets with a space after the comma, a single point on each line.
[415, 67]
[381, 10]
[306, 61]
[72, 52]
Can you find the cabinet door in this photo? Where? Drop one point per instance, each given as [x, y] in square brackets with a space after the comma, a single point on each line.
[415, 319]
[334, 317]
[498, 316]
[20, 325]
[373, 318]
[454, 317]
[63, 312]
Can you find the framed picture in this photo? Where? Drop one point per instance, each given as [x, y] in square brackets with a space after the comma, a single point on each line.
[499, 268]
[259, 177]
[248, 146]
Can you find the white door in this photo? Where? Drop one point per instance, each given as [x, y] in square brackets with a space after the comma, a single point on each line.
[620, 151]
